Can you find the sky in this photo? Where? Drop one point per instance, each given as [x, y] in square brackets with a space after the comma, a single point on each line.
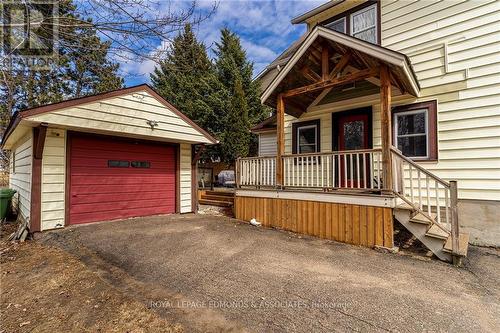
[263, 26]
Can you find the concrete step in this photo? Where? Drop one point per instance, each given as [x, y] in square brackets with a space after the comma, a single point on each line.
[437, 232]
[463, 244]
[215, 203]
[420, 218]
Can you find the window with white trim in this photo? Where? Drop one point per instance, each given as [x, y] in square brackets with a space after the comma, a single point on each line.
[364, 24]
[307, 139]
[411, 133]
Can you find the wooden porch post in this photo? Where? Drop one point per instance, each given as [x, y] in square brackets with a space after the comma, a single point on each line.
[280, 122]
[385, 118]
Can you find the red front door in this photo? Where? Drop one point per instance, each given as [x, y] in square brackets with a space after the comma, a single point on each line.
[353, 135]
[114, 179]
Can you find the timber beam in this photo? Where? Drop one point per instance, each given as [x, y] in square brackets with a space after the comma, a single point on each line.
[332, 82]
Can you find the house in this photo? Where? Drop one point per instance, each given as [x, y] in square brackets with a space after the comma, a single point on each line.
[110, 156]
[385, 111]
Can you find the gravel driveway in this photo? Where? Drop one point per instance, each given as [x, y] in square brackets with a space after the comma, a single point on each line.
[213, 273]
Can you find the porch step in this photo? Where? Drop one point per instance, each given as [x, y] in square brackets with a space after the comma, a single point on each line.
[420, 218]
[463, 244]
[220, 193]
[404, 205]
[217, 197]
[437, 232]
[215, 203]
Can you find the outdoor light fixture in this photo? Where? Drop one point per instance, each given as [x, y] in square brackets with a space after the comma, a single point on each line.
[152, 123]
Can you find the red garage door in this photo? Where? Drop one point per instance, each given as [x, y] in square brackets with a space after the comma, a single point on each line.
[113, 179]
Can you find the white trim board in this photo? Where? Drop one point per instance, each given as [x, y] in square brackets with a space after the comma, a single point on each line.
[363, 200]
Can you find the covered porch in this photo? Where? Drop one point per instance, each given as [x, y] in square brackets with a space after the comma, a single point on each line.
[356, 174]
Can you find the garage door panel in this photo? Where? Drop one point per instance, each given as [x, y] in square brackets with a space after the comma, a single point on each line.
[99, 192]
[118, 204]
[110, 179]
[117, 145]
[123, 196]
[110, 189]
[116, 215]
[106, 154]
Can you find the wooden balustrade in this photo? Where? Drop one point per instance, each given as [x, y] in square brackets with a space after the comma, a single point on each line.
[427, 193]
[357, 170]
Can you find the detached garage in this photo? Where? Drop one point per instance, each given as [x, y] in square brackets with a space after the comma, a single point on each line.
[111, 156]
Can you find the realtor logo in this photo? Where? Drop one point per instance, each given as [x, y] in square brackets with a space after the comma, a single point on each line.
[29, 33]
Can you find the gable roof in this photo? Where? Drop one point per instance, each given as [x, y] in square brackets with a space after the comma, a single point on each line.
[395, 59]
[24, 114]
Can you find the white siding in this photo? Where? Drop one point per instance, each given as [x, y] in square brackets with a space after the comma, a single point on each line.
[125, 115]
[468, 90]
[20, 176]
[267, 144]
[185, 181]
[53, 179]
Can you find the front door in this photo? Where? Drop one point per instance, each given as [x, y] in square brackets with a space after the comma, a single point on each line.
[353, 133]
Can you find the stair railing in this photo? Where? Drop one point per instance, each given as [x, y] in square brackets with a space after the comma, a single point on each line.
[423, 190]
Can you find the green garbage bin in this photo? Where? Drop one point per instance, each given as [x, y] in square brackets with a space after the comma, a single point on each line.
[6, 195]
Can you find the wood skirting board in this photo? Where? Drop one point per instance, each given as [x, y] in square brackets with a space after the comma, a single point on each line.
[348, 223]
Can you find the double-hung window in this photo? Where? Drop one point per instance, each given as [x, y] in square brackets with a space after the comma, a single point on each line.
[306, 142]
[414, 131]
[306, 137]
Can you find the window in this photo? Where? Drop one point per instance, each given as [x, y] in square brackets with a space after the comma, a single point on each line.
[306, 137]
[118, 164]
[414, 131]
[140, 164]
[364, 24]
[338, 25]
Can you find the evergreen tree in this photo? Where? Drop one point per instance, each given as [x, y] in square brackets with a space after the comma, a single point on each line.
[186, 79]
[232, 66]
[236, 141]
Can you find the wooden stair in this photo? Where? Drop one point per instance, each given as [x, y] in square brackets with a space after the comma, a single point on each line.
[429, 233]
[216, 198]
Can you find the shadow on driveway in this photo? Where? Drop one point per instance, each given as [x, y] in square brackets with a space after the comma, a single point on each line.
[213, 273]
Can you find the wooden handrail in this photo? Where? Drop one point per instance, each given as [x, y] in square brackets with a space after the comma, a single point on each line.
[433, 176]
[338, 152]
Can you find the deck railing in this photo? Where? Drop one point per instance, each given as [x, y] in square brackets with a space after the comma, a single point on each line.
[356, 169]
[427, 193]
[256, 171]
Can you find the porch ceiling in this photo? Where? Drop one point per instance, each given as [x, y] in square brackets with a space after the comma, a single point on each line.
[305, 68]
